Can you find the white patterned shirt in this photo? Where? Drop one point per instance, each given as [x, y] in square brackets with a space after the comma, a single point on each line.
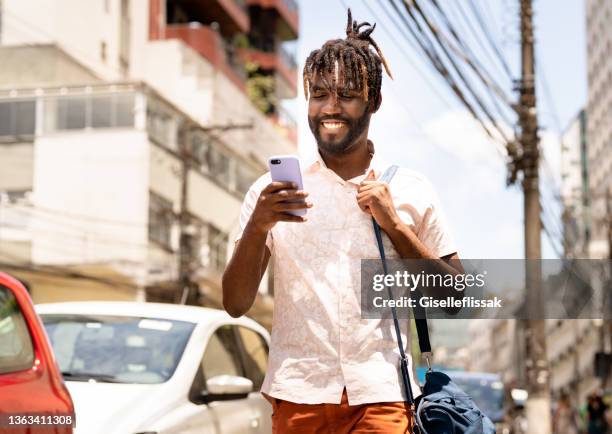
[320, 344]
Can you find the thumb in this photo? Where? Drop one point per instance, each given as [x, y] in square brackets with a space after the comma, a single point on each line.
[370, 176]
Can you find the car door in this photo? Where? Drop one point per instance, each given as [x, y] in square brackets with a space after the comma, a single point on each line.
[254, 357]
[222, 357]
[30, 381]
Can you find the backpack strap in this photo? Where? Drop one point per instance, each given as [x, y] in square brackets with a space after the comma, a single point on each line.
[420, 319]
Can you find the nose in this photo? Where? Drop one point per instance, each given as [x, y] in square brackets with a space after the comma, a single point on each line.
[331, 106]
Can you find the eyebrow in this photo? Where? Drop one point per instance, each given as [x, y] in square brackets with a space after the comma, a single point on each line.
[317, 88]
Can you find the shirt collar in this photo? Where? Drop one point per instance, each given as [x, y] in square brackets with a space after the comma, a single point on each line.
[376, 163]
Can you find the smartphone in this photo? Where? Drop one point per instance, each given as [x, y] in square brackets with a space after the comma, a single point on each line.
[286, 168]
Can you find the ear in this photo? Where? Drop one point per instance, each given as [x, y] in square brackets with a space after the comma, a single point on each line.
[375, 105]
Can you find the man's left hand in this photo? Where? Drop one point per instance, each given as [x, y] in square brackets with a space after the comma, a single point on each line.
[374, 198]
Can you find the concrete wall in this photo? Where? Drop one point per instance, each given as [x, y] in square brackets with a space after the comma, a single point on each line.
[79, 27]
[96, 185]
[43, 65]
[182, 76]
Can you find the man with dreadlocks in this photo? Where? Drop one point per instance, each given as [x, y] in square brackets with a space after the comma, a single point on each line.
[329, 370]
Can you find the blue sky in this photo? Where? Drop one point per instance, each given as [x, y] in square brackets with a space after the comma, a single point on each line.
[415, 128]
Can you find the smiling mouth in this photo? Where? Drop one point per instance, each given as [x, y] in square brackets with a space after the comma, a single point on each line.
[333, 125]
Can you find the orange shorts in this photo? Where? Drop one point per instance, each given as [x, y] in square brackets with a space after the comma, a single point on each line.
[384, 417]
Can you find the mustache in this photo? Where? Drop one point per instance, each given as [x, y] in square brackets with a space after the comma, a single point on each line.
[333, 118]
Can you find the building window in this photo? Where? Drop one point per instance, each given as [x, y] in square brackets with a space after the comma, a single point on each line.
[213, 160]
[101, 112]
[17, 118]
[92, 111]
[218, 165]
[162, 126]
[124, 110]
[245, 177]
[71, 113]
[217, 248]
[208, 245]
[161, 220]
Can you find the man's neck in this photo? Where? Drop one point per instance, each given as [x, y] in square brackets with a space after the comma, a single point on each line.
[350, 164]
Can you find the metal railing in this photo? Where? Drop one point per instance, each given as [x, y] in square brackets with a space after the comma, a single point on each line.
[287, 57]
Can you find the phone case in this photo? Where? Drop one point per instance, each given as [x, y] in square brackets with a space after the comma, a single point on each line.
[288, 170]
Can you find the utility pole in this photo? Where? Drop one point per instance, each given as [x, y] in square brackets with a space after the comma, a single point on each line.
[536, 362]
[186, 257]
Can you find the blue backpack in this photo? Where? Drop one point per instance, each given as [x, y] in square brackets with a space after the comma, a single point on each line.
[442, 408]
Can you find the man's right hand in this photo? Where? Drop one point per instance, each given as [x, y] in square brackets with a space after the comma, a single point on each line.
[274, 202]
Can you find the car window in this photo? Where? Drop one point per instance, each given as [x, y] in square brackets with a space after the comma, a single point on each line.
[254, 355]
[117, 348]
[16, 350]
[221, 356]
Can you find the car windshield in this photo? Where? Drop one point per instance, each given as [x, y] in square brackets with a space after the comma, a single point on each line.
[487, 393]
[116, 349]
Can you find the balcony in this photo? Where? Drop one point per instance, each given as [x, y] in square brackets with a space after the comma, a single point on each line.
[288, 10]
[280, 62]
[209, 44]
[231, 15]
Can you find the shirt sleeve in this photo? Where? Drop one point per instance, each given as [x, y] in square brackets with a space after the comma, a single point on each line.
[434, 231]
[248, 205]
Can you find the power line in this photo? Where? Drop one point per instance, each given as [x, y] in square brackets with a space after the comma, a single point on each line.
[466, 54]
[428, 48]
[59, 271]
[487, 33]
[431, 53]
[81, 217]
[403, 50]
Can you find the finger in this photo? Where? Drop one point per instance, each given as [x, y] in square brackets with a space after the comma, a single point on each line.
[363, 203]
[286, 206]
[288, 195]
[367, 187]
[286, 217]
[279, 185]
[365, 196]
[281, 194]
[364, 182]
[362, 206]
[371, 175]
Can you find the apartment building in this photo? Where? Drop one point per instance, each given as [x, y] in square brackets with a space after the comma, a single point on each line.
[129, 138]
[599, 124]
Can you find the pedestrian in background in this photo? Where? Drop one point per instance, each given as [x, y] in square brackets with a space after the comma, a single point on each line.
[565, 418]
[596, 413]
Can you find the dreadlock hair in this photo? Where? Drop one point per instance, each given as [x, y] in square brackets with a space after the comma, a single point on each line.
[356, 62]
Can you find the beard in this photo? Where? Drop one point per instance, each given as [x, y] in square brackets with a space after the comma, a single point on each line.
[355, 129]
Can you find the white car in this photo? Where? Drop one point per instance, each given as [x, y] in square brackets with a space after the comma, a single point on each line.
[136, 368]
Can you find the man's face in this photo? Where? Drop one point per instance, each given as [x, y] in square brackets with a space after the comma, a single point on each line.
[336, 118]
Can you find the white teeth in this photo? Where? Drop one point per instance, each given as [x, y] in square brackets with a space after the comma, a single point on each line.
[333, 125]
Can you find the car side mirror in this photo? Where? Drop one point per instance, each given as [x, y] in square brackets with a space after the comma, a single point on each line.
[226, 387]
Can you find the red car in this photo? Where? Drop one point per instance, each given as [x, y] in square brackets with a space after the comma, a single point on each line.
[33, 397]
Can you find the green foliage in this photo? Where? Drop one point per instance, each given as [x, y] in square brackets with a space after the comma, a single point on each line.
[260, 88]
